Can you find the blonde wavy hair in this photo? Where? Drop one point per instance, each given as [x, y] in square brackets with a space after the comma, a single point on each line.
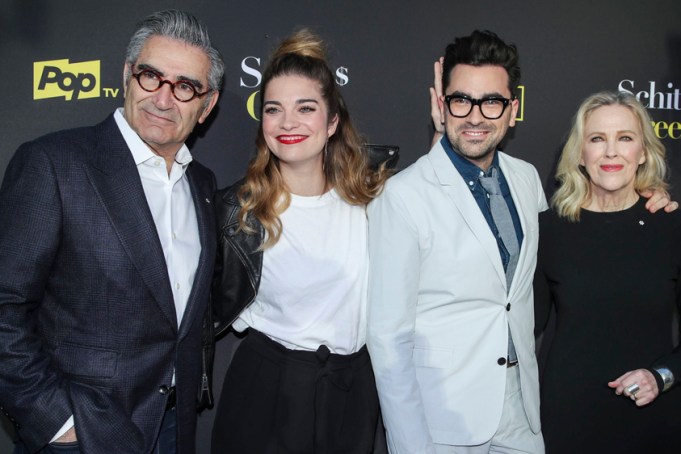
[264, 193]
[575, 188]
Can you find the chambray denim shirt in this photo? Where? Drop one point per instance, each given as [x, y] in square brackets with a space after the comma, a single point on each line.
[470, 174]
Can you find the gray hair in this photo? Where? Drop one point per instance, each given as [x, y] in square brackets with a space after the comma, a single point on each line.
[181, 26]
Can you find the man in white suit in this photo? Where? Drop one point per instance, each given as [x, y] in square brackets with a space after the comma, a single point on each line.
[451, 306]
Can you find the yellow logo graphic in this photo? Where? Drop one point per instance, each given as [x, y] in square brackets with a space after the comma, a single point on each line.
[59, 78]
[250, 105]
[667, 130]
[520, 116]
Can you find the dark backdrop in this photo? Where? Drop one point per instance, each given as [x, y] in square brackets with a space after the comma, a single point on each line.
[382, 52]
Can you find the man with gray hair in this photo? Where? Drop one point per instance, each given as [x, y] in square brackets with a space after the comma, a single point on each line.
[107, 244]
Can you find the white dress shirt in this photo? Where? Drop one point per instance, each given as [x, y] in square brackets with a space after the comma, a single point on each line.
[172, 207]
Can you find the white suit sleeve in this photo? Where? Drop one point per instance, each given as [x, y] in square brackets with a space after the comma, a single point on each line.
[541, 197]
[393, 298]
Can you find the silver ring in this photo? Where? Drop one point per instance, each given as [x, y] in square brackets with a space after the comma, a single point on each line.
[633, 389]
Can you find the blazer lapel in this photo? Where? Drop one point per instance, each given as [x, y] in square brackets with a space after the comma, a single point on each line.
[114, 176]
[205, 217]
[518, 186]
[455, 187]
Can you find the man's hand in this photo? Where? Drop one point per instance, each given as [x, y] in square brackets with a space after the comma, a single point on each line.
[436, 103]
[657, 199]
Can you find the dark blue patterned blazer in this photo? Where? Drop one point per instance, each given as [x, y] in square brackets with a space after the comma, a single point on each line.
[87, 319]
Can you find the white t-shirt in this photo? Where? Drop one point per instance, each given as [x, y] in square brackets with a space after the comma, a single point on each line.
[313, 289]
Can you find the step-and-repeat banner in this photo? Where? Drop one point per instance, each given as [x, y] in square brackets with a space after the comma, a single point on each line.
[62, 67]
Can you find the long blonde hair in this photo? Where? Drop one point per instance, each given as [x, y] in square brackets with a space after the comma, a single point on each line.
[346, 167]
[575, 188]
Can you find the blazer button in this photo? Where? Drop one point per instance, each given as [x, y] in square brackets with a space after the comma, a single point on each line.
[501, 361]
[508, 307]
[163, 389]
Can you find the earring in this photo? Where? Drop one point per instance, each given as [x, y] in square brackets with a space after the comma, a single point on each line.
[326, 152]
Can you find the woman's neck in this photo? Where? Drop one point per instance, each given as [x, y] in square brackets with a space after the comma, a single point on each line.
[607, 202]
[305, 183]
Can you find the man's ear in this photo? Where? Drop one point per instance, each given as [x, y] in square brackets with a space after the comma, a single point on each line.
[127, 74]
[209, 107]
[514, 111]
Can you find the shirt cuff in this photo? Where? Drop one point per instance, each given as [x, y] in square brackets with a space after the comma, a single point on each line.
[664, 378]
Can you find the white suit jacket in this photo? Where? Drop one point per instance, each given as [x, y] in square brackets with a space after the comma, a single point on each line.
[439, 311]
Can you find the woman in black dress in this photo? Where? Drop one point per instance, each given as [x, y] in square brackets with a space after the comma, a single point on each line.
[612, 271]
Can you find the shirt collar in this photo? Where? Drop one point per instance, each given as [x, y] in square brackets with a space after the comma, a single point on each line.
[140, 151]
[469, 171]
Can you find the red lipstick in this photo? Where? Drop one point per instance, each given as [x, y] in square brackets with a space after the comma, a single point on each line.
[290, 140]
[612, 167]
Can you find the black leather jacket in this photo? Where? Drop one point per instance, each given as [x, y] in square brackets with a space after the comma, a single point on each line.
[239, 264]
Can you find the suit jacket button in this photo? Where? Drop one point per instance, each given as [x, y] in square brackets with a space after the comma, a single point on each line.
[163, 389]
[508, 307]
[501, 361]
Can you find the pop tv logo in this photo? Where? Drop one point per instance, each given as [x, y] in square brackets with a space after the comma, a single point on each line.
[62, 79]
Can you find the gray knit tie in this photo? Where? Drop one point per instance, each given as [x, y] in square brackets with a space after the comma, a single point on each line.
[504, 222]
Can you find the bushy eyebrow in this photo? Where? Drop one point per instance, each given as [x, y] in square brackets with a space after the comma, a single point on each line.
[196, 83]
[495, 94]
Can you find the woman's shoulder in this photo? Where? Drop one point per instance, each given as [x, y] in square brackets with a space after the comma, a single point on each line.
[662, 218]
[553, 227]
[550, 217]
[229, 195]
[227, 204]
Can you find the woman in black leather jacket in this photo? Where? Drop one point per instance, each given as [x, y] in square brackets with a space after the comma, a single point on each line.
[292, 271]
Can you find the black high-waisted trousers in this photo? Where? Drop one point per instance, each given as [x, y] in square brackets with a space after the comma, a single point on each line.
[280, 401]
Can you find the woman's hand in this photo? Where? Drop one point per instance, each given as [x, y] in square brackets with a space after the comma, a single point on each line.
[436, 102]
[639, 385]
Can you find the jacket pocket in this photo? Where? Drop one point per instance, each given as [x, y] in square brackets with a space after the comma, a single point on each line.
[83, 361]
